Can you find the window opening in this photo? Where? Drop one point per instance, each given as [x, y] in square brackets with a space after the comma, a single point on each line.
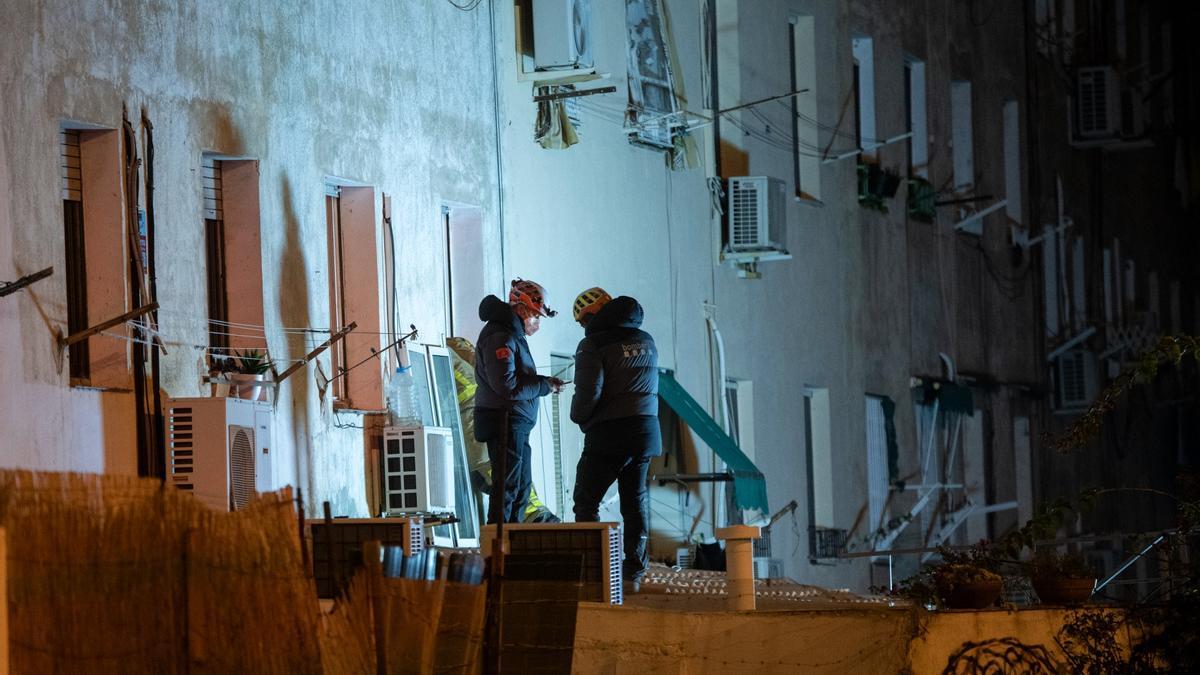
[337, 301]
[76, 259]
[214, 234]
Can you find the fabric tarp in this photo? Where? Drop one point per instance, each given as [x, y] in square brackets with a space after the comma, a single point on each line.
[952, 398]
[749, 486]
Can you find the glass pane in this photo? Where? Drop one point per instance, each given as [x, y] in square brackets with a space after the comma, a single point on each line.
[420, 373]
[447, 401]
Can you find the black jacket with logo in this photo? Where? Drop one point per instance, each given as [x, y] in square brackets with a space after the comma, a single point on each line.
[616, 367]
[504, 368]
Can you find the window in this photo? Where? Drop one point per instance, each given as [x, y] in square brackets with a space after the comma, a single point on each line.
[76, 268]
[233, 252]
[916, 117]
[877, 463]
[1012, 161]
[214, 238]
[465, 269]
[864, 94]
[652, 104]
[806, 142]
[357, 379]
[819, 444]
[441, 370]
[961, 135]
[95, 252]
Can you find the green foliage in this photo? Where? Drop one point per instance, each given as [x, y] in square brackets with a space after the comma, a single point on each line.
[1170, 349]
[1049, 564]
[252, 362]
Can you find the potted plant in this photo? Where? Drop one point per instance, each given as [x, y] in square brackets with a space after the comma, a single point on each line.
[963, 580]
[921, 198]
[1060, 579]
[249, 372]
[875, 185]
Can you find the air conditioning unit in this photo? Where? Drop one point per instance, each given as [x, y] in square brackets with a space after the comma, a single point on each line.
[219, 449]
[1097, 102]
[418, 470]
[337, 546]
[562, 34]
[757, 214]
[1077, 379]
[595, 546]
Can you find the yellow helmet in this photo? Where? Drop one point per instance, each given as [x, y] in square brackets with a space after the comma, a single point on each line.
[589, 302]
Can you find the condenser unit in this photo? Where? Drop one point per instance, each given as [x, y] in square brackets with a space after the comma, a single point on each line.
[757, 214]
[1097, 103]
[596, 547]
[418, 470]
[1077, 379]
[337, 545]
[219, 449]
[562, 34]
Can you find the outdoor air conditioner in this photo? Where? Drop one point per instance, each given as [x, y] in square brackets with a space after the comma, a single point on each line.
[589, 553]
[418, 470]
[1077, 379]
[337, 546]
[219, 449]
[1097, 103]
[757, 214]
[561, 34]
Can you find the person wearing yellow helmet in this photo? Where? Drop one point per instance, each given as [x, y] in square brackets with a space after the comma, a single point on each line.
[616, 405]
[506, 400]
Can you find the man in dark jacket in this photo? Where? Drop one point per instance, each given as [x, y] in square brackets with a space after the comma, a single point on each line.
[616, 405]
[509, 388]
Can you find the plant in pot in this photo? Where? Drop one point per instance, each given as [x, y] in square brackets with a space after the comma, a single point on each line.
[1060, 578]
[965, 579]
[249, 372]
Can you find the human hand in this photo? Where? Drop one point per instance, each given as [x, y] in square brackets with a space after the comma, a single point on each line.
[556, 385]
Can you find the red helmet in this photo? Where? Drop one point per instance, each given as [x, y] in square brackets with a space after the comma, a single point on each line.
[530, 294]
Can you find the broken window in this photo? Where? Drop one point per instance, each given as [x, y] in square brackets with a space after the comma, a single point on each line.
[653, 108]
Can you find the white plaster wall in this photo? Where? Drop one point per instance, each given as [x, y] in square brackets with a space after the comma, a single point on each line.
[357, 90]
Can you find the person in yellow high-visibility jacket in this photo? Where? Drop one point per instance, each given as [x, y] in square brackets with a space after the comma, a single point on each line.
[463, 357]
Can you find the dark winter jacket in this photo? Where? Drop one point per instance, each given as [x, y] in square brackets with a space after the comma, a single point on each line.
[616, 367]
[504, 368]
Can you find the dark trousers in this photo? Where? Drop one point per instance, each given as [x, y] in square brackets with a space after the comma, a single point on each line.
[518, 472]
[620, 450]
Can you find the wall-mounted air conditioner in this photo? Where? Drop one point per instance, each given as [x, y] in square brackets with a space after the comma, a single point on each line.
[757, 212]
[547, 551]
[1078, 379]
[418, 470]
[1097, 103]
[219, 449]
[562, 34]
[337, 546]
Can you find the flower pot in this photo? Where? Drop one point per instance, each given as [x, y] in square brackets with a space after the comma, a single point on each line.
[1063, 590]
[972, 595]
[247, 386]
[220, 389]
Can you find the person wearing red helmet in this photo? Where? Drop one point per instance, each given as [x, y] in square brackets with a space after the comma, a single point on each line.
[506, 402]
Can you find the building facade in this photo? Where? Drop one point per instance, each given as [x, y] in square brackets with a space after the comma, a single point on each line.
[876, 350]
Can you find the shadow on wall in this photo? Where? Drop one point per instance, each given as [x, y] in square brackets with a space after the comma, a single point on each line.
[293, 311]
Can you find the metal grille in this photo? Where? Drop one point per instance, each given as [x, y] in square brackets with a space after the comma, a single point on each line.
[241, 466]
[1094, 110]
[440, 465]
[598, 547]
[1074, 379]
[70, 166]
[744, 214]
[826, 542]
[210, 177]
[337, 546]
[180, 448]
[616, 590]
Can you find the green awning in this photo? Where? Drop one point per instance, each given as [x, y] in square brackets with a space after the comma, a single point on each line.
[749, 486]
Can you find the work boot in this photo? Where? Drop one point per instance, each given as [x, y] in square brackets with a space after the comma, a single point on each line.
[631, 586]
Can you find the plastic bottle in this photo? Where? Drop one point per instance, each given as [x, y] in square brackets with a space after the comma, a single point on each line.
[404, 409]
